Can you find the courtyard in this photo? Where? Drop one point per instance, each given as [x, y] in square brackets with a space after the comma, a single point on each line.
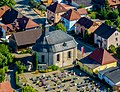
[67, 80]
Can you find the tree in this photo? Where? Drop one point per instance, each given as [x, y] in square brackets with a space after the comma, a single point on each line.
[117, 22]
[81, 6]
[20, 67]
[118, 50]
[103, 13]
[93, 15]
[9, 3]
[3, 60]
[108, 22]
[5, 51]
[107, 6]
[2, 75]
[60, 26]
[36, 61]
[112, 49]
[28, 89]
[113, 14]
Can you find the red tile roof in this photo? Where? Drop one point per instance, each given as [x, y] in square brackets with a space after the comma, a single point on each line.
[71, 15]
[102, 56]
[82, 11]
[5, 87]
[58, 7]
[114, 2]
[3, 9]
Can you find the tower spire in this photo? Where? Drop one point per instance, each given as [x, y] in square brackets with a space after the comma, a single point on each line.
[46, 29]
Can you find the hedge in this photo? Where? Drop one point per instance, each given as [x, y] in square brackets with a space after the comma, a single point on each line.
[16, 80]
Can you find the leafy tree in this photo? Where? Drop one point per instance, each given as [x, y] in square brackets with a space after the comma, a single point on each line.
[86, 35]
[28, 89]
[108, 22]
[20, 67]
[113, 14]
[81, 6]
[36, 61]
[3, 60]
[2, 75]
[118, 50]
[103, 13]
[117, 22]
[112, 49]
[107, 6]
[9, 3]
[5, 52]
[60, 26]
[93, 15]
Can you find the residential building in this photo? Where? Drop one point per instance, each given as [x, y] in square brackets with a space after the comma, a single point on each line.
[54, 11]
[105, 35]
[18, 21]
[5, 87]
[83, 12]
[84, 24]
[46, 2]
[98, 60]
[111, 76]
[24, 39]
[100, 3]
[69, 19]
[76, 3]
[55, 50]
[3, 9]
[15, 22]
[59, 1]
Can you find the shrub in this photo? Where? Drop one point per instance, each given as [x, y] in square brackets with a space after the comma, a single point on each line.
[16, 80]
[112, 49]
[53, 67]
[93, 15]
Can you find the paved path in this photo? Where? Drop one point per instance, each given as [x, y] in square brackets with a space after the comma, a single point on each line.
[87, 48]
[11, 77]
[25, 9]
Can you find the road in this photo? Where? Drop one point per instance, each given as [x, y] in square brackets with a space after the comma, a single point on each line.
[25, 9]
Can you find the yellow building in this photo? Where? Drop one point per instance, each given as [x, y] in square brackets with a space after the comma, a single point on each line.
[98, 60]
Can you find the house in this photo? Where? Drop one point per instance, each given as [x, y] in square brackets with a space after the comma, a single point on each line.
[59, 1]
[18, 21]
[83, 12]
[111, 76]
[69, 19]
[24, 39]
[54, 11]
[3, 9]
[76, 3]
[98, 60]
[100, 3]
[5, 87]
[105, 35]
[114, 3]
[46, 2]
[55, 48]
[84, 24]
[15, 22]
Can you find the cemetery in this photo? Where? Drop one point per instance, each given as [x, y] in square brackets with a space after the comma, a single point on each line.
[68, 80]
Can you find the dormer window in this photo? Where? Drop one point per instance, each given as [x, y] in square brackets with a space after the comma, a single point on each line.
[64, 44]
[24, 21]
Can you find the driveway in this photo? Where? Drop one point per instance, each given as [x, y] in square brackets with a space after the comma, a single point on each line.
[25, 9]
